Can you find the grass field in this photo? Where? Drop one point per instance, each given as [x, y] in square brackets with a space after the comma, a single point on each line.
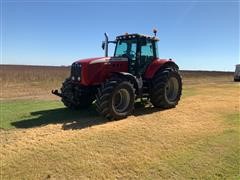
[40, 139]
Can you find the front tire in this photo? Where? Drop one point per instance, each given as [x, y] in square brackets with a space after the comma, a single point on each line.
[115, 99]
[167, 89]
[75, 97]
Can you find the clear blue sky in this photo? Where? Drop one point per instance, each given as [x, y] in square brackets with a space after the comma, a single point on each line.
[198, 35]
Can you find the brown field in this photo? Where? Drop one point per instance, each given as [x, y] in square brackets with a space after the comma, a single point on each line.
[199, 139]
[24, 82]
[21, 82]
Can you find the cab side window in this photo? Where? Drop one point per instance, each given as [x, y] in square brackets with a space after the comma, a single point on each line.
[133, 51]
[147, 50]
[146, 55]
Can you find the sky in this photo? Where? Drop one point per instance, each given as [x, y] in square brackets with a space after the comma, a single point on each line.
[198, 35]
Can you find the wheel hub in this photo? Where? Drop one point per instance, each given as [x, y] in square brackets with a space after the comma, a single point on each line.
[121, 100]
[172, 88]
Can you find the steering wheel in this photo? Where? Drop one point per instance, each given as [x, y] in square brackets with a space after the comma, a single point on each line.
[130, 55]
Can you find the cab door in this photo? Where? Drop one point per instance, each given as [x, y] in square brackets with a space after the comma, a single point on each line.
[132, 56]
[146, 55]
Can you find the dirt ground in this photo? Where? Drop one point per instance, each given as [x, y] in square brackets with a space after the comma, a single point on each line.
[197, 139]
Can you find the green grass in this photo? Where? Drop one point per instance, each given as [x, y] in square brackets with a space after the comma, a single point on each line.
[18, 110]
[35, 113]
[213, 157]
[233, 118]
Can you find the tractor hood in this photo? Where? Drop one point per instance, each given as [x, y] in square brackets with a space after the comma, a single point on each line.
[101, 60]
[93, 60]
[93, 71]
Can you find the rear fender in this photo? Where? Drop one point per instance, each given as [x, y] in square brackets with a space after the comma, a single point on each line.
[158, 65]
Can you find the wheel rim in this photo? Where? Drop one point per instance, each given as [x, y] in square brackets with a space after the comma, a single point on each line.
[121, 100]
[172, 88]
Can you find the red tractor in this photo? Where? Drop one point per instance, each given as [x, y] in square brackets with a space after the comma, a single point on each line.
[114, 83]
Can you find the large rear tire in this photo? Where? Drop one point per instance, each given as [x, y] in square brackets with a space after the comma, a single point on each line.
[75, 97]
[167, 89]
[115, 99]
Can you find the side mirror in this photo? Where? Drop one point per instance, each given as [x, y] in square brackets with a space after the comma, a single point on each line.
[103, 45]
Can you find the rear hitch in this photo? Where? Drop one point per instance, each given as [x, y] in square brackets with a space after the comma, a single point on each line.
[55, 92]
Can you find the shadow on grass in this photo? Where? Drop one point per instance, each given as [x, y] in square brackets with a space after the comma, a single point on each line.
[74, 119]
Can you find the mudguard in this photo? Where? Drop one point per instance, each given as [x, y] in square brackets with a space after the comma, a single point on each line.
[157, 65]
[137, 85]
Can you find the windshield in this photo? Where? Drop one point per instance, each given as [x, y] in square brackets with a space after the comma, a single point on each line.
[126, 48]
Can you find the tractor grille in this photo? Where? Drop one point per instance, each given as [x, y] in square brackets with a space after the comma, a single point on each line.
[76, 72]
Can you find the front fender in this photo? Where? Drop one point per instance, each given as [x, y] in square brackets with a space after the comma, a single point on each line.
[129, 77]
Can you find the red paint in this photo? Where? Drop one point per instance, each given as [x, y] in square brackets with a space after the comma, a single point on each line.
[96, 73]
[153, 67]
[88, 60]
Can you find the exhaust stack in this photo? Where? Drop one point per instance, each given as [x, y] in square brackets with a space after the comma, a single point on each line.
[106, 44]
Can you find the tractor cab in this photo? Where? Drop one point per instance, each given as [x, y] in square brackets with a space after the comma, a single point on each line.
[140, 50]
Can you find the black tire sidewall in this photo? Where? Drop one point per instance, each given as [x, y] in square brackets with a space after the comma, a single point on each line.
[178, 77]
[129, 88]
[158, 95]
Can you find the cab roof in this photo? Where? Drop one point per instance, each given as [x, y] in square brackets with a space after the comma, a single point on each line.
[135, 35]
